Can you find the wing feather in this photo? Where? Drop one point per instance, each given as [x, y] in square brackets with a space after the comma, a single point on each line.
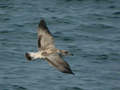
[57, 61]
[45, 38]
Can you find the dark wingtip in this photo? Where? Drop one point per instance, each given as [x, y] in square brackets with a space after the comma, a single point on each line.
[68, 71]
[72, 73]
[27, 55]
[42, 24]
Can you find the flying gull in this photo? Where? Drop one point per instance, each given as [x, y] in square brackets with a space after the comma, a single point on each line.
[48, 51]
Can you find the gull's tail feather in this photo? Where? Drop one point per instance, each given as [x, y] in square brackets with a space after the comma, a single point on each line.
[30, 56]
[27, 55]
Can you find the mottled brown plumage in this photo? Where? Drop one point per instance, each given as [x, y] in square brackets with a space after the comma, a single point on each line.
[47, 50]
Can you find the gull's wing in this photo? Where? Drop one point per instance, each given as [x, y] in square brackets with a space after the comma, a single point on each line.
[45, 38]
[57, 61]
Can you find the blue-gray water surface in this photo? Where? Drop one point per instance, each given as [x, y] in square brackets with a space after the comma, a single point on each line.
[90, 29]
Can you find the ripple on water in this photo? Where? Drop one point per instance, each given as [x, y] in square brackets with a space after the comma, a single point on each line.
[87, 28]
[71, 88]
[17, 87]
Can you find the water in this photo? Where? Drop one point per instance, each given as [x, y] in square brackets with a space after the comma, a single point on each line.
[90, 29]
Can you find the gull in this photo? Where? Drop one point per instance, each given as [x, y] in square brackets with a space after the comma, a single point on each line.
[47, 50]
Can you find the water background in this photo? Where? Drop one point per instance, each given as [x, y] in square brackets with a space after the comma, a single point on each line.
[90, 29]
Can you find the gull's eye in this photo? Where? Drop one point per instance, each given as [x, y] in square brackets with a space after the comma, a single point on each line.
[66, 52]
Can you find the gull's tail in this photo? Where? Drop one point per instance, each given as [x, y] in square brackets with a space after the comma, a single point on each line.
[31, 56]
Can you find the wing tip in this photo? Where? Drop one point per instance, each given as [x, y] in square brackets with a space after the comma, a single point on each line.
[68, 71]
[42, 24]
[72, 73]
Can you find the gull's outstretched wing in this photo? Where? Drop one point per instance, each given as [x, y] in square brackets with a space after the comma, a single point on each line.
[57, 61]
[45, 38]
